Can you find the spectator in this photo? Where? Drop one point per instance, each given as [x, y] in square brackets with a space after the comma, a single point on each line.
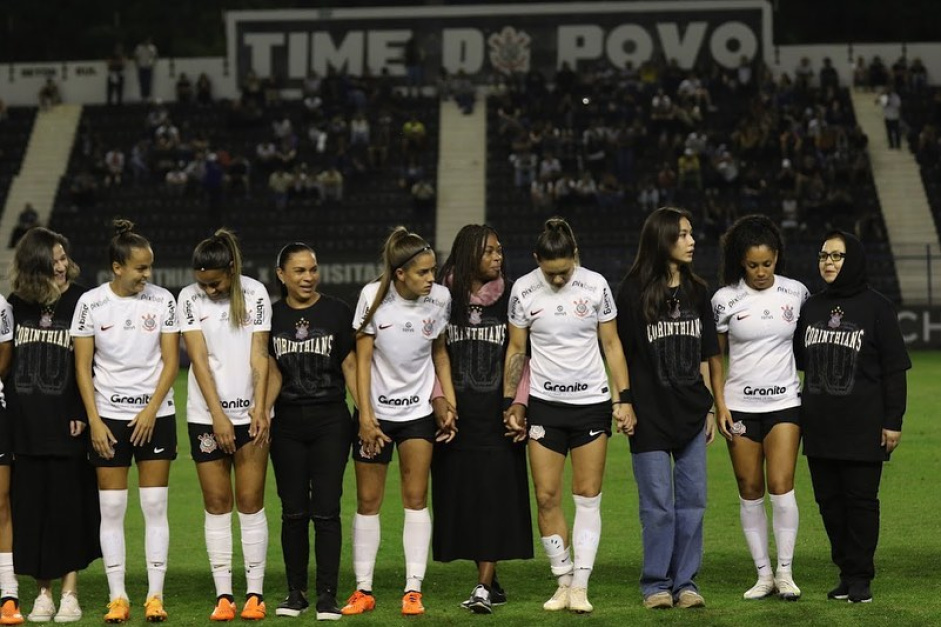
[238, 175]
[550, 166]
[359, 130]
[252, 90]
[49, 95]
[892, 112]
[803, 75]
[464, 92]
[280, 183]
[689, 170]
[413, 58]
[380, 140]
[213, 181]
[140, 160]
[282, 127]
[423, 196]
[145, 57]
[114, 94]
[83, 191]
[331, 184]
[860, 74]
[586, 191]
[27, 219]
[114, 167]
[878, 74]
[184, 89]
[829, 79]
[542, 195]
[177, 179]
[203, 90]
[414, 136]
[564, 192]
[918, 75]
[649, 196]
[666, 183]
[524, 168]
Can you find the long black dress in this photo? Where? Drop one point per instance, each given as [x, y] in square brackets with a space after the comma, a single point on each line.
[480, 489]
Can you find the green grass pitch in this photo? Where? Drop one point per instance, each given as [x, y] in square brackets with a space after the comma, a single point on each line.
[907, 588]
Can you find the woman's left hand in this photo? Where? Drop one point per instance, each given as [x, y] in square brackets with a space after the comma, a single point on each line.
[143, 424]
[890, 439]
[260, 427]
[76, 428]
[446, 419]
[710, 427]
[624, 418]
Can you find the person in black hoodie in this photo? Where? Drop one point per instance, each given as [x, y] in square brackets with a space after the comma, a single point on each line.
[55, 493]
[849, 344]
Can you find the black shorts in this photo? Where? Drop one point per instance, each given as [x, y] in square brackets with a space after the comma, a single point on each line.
[6, 437]
[561, 427]
[758, 426]
[162, 443]
[418, 429]
[203, 447]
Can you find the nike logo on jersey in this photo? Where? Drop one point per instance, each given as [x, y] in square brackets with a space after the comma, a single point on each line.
[204, 318]
[535, 313]
[741, 316]
[384, 326]
[593, 433]
[157, 451]
[105, 327]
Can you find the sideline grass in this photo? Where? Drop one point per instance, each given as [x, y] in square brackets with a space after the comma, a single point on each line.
[907, 588]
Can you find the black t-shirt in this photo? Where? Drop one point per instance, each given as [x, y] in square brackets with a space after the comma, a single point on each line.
[847, 346]
[42, 391]
[671, 399]
[477, 351]
[310, 345]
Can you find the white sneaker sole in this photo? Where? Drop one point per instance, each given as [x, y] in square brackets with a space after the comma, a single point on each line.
[284, 611]
[328, 616]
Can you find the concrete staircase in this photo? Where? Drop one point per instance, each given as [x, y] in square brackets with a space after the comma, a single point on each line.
[44, 163]
[462, 171]
[911, 229]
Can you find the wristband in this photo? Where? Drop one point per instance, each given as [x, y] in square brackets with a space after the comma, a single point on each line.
[624, 397]
[507, 402]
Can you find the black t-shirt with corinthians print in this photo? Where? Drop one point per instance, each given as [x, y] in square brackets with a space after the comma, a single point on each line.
[41, 390]
[310, 345]
[671, 399]
[847, 346]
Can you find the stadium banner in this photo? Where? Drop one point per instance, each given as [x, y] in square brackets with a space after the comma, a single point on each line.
[921, 327]
[483, 39]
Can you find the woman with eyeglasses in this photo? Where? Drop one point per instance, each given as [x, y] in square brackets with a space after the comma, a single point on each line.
[311, 365]
[758, 410]
[850, 347]
[400, 349]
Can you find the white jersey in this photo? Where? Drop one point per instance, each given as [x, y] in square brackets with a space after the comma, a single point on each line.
[6, 333]
[128, 360]
[566, 364]
[402, 372]
[760, 326]
[229, 349]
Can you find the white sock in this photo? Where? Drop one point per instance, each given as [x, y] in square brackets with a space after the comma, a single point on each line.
[113, 505]
[9, 586]
[153, 502]
[366, 534]
[785, 521]
[416, 538]
[560, 559]
[218, 530]
[586, 534]
[254, 549]
[755, 525]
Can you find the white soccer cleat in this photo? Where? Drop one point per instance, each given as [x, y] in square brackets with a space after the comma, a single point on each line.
[559, 600]
[787, 589]
[761, 590]
[578, 601]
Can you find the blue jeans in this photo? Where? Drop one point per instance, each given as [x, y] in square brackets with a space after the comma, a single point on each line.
[672, 490]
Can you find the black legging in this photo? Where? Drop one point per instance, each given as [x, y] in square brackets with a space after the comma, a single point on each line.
[310, 447]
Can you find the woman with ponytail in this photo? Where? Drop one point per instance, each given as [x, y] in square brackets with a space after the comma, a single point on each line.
[400, 348]
[565, 312]
[311, 364]
[225, 321]
[127, 355]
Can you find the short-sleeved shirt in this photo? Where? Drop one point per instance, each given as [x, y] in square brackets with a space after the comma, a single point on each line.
[760, 325]
[6, 329]
[566, 364]
[402, 372]
[128, 359]
[309, 346]
[229, 348]
[671, 399]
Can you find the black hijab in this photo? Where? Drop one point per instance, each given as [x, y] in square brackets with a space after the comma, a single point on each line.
[852, 277]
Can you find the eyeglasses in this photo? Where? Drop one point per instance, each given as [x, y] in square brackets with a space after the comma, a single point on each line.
[834, 257]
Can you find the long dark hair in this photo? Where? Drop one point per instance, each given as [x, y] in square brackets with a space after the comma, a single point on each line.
[747, 232]
[124, 241]
[557, 241]
[31, 275]
[285, 254]
[401, 249]
[221, 252]
[462, 266]
[651, 266]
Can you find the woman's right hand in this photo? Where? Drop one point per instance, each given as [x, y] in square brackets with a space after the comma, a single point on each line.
[514, 419]
[371, 437]
[724, 420]
[224, 433]
[102, 440]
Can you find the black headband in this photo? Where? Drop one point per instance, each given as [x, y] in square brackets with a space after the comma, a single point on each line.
[423, 249]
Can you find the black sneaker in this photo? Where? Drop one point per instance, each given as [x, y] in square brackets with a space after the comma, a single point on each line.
[327, 608]
[497, 593]
[860, 592]
[840, 593]
[479, 601]
[294, 605]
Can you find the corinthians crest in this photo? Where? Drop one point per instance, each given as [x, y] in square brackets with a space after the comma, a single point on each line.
[510, 50]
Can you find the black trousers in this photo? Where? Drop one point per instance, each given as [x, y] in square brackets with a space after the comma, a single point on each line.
[847, 493]
[310, 447]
